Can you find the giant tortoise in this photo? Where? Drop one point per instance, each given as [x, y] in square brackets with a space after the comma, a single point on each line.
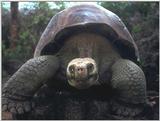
[82, 48]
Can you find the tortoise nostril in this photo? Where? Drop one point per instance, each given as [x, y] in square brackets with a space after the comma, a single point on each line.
[80, 69]
[90, 67]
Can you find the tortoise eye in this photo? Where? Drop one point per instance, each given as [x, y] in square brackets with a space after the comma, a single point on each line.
[72, 68]
[90, 67]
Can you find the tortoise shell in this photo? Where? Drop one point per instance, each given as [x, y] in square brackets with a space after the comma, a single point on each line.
[86, 18]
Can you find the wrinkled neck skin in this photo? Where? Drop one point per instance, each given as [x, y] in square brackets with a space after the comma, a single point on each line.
[88, 45]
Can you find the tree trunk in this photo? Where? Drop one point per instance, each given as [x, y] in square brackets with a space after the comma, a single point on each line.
[14, 24]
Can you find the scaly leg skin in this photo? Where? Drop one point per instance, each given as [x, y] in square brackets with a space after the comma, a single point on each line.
[129, 82]
[21, 87]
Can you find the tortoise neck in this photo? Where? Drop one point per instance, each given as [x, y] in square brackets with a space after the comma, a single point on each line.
[85, 52]
[85, 43]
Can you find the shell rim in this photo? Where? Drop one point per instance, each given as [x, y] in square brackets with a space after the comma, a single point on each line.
[61, 34]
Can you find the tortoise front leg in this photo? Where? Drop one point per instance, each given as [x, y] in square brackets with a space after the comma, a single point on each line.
[20, 88]
[129, 82]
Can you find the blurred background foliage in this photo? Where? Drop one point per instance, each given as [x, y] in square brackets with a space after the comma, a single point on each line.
[141, 18]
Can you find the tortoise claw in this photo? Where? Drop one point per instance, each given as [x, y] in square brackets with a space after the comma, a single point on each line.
[16, 106]
[126, 110]
[7, 116]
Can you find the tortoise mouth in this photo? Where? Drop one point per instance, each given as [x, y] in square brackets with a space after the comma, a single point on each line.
[82, 73]
[83, 84]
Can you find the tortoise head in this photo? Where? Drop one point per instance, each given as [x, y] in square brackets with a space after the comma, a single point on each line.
[82, 73]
